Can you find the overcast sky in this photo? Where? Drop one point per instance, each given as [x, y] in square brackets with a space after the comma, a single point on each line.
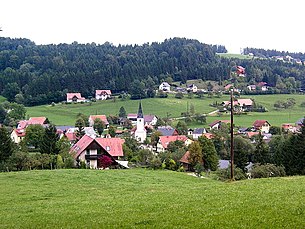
[268, 24]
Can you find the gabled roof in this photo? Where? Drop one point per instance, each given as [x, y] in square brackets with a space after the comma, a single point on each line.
[251, 134]
[77, 95]
[103, 92]
[199, 131]
[166, 130]
[165, 84]
[219, 121]
[37, 120]
[103, 118]
[19, 132]
[300, 121]
[112, 145]
[260, 123]
[132, 116]
[246, 102]
[148, 118]
[165, 140]
[185, 158]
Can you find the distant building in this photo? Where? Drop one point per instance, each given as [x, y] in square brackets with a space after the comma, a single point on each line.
[262, 125]
[103, 118]
[164, 86]
[75, 97]
[167, 131]
[140, 133]
[102, 94]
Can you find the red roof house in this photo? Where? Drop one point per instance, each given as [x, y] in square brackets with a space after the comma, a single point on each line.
[103, 118]
[102, 94]
[262, 125]
[90, 149]
[165, 140]
[75, 97]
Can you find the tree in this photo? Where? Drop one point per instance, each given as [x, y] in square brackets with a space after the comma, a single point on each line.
[179, 95]
[99, 126]
[105, 161]
[6, 145]
[34, 134]
[49, 141]
[182, 128]
[80, 125]
[209, 154]
[2, 114]
[243, 148]
[154, 138]
[111, 131]
[200, 118]
[59, 162]
[122, 112]
[261, 152]
[11, 89]
[195, 151]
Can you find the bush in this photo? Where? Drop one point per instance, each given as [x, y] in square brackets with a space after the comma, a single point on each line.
[225, 174]
[155, 163]
[268, 170]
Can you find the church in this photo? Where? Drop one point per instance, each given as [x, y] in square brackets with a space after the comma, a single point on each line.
[140, 133]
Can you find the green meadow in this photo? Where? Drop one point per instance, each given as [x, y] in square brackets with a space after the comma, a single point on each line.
[139, 198]
[65, 114]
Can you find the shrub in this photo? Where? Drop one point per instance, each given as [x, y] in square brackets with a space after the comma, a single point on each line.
[267, 170]
[225, 174]
[155, 163]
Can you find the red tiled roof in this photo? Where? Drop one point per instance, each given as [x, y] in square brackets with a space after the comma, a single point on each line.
[77, 95]
[165, 140]
[20, 132]
[260, 123]
[208, 135]
[36, 120]
[81, 145]
[246, 102]
[114, 146]
[185, 158]
[101, 117]
[251, 134]
[102, 92]
[71, 136]
[22, 124]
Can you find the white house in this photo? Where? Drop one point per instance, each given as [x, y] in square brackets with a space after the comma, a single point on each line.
[192, 88]
[164, 87]
[75, 97]
[102, 94]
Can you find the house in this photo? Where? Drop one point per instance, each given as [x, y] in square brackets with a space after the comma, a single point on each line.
[287, 127]
[240, 71]
[165, 140]
[262, 125]
[164, 86]
[167, 131]
[19, 132]
[217, 124]
[75, 97]
[18, 135]
[192, 88]
[149, 120]
[70, 133]
[208, 135]
[300, 122]
[197, 132]
[90, 150]
[243, 104]
[102, 94]
[103, 118]
[263, 86]
[251, 87]
[228, 87]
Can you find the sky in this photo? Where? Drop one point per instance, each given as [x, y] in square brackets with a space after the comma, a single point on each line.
[236, 24]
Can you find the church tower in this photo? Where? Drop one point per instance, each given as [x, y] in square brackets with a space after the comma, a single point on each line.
[140, 133]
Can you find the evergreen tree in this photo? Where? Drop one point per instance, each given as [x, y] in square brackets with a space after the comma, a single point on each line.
[99, 126]
[6, 145]
[111, 131]
[80, 125]
[196, 156]
[181, 128]
[261, 152]
[209, 154]
[122, 112]
[243, 148]
[49, 141]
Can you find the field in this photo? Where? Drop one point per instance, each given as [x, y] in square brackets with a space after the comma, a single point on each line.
[238, 56]
[139, 198]
[63, 114]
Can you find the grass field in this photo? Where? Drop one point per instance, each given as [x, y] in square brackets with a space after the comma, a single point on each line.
[139, 198]
[231, 55]
[62, 114]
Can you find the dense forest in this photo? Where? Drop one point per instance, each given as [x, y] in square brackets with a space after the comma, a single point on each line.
[38, 74]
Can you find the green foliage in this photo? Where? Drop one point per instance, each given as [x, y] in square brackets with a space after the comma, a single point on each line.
[267, 170]
[122, 112]
[225, 174]
[196, 155]
[209, 154]
[261, 151]
[6, 144]
[49, 141]
[34, 134]
[59, 162]
[111, 131]
[179, 95]
[181, 127]
[243, 148]
[80, 125]
[99, 126]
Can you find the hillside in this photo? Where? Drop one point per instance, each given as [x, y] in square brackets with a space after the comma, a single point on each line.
[147, 199]
[65, 114]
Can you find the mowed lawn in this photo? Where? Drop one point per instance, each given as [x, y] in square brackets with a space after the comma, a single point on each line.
[63, 114]
[139, 198]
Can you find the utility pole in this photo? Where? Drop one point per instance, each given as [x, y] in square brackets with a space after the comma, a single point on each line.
[232, 140]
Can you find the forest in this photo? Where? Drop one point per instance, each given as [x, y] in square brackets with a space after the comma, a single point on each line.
[33, 74]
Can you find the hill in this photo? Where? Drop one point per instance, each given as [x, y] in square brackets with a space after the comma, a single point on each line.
[63, 114]
[146, 199]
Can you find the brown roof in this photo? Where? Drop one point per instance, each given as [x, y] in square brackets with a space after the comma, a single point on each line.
[260, 123]
[103, 118]
[77, 95]
[185, 158]
[103, 92]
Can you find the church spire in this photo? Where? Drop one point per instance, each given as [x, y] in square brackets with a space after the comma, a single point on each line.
[140, 112]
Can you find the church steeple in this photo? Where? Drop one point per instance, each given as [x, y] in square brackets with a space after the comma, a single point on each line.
[140, 112]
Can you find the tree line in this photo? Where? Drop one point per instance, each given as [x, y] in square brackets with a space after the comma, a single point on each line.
[33, 74]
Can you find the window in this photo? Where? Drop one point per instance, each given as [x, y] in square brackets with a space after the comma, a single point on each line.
[87, 151]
